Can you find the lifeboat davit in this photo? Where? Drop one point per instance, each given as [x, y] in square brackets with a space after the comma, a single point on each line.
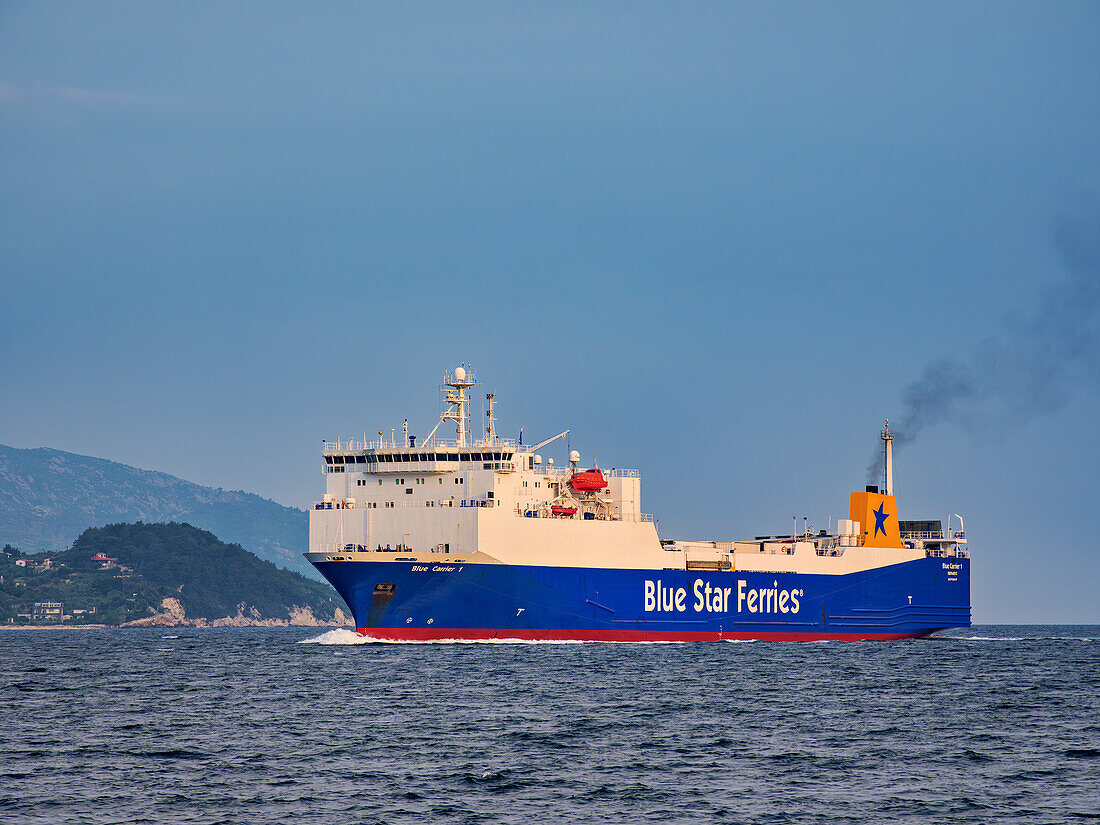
[558, 510]
[588, 481]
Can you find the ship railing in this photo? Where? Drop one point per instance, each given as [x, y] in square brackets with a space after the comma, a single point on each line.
[946, 553]
[924, 535]
[340, 446]
[397, 504]
[565, 472]
[634, 518]
[351, 547]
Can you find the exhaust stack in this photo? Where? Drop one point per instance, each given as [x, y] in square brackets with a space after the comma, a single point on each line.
[888, 464]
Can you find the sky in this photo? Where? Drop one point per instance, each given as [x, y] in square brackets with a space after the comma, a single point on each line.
[720, 242]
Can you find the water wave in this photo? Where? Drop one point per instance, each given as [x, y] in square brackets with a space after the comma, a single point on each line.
[987, 638]
[410, 735]
[1020, 638]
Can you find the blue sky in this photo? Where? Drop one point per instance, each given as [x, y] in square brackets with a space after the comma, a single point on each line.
[717, 240]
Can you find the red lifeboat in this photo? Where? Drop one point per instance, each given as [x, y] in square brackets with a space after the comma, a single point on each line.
[558, 510]
[588, 481]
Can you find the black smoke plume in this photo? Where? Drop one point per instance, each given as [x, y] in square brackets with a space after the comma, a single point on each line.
[1034, 365]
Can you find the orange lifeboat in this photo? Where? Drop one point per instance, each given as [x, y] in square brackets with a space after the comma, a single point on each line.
[588, 481]
[558, 510]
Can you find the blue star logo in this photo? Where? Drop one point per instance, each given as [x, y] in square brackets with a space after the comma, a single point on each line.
[880, 519]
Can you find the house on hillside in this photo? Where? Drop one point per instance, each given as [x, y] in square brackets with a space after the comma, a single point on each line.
[48, 611]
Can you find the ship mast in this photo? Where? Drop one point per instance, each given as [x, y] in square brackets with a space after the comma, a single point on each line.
[491, 425]
[458, 402]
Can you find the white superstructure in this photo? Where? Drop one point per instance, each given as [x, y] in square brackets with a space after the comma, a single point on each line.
[494, 500]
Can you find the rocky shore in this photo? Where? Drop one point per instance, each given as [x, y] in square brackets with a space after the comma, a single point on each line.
[173, 615]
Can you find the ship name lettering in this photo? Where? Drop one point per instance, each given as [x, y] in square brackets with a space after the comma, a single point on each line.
[420, 568]
[662, 599]
[767, 599]
[711, 599]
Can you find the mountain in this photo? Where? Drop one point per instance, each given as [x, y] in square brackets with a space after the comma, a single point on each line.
[159, 574]
[49, 497]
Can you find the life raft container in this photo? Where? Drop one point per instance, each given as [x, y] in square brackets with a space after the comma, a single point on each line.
[588, 481]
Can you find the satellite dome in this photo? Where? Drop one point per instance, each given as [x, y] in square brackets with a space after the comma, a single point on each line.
[574, 456]
[460, 373]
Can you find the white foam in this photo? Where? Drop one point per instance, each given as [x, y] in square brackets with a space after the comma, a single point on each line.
[342, 636]
[169, 637]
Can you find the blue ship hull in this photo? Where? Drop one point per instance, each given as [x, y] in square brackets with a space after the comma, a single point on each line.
[434, 600]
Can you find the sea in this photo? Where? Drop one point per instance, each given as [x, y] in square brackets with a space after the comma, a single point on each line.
[308, 725]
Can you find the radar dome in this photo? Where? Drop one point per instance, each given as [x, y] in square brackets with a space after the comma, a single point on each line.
[460, 373]
[574, 456]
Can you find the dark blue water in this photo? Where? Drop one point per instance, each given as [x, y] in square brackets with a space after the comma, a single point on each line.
[250, 725]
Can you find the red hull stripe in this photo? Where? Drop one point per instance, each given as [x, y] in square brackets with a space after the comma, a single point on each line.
[424, 634]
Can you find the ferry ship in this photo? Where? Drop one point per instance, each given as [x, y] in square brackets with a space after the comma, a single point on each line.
[480, 538]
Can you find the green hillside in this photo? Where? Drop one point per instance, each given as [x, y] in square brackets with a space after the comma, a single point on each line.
[49, 497]
[125, 571]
